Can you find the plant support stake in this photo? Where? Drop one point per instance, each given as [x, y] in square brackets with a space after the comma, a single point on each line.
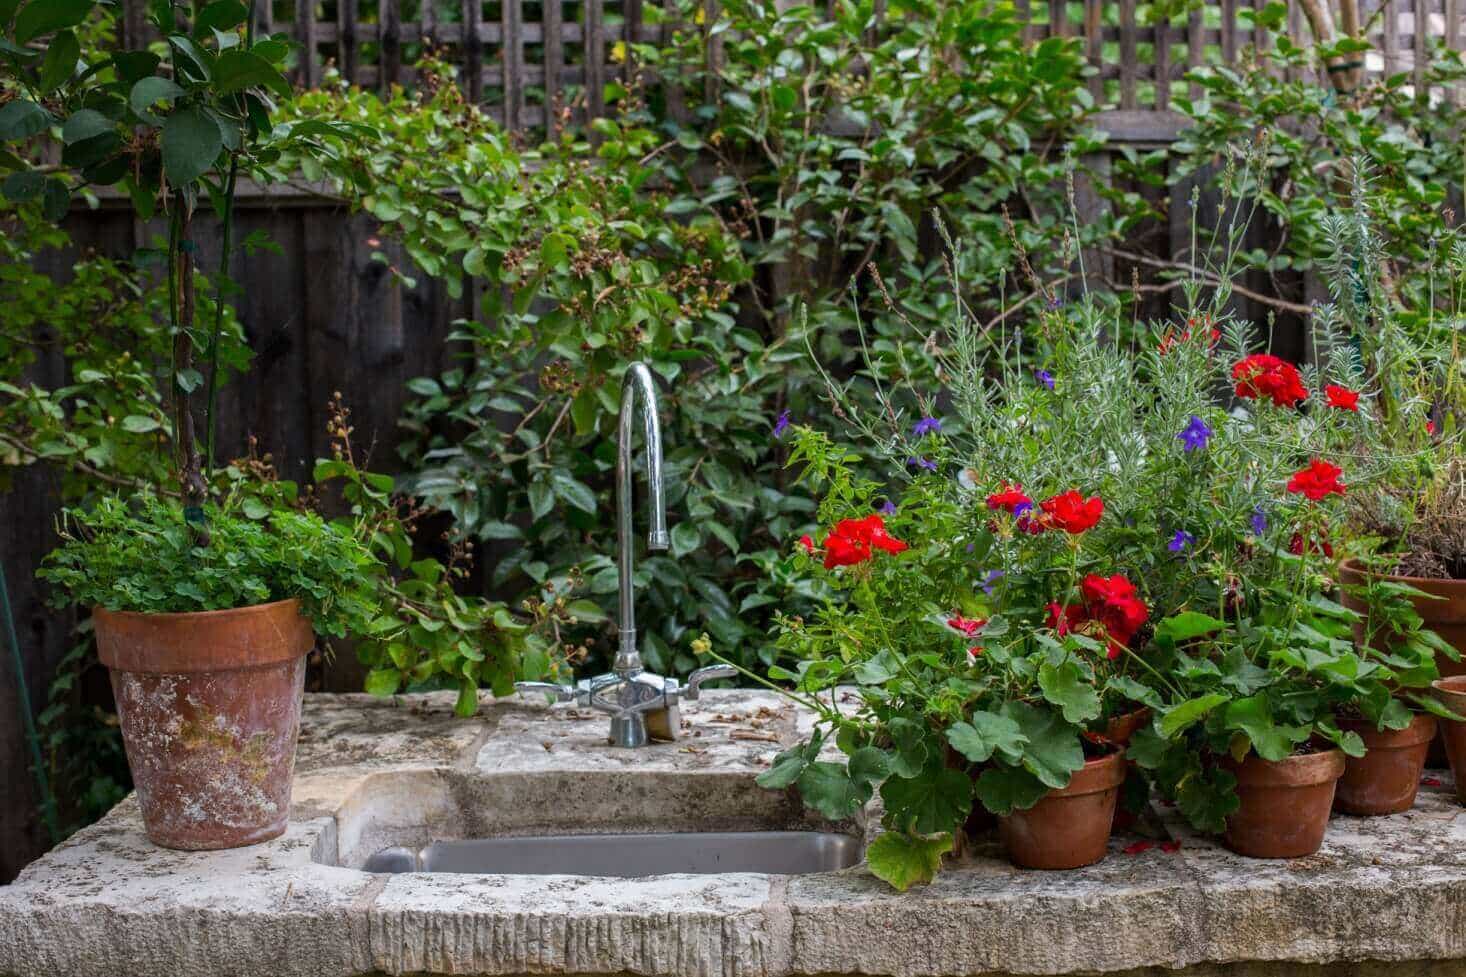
[48, 802]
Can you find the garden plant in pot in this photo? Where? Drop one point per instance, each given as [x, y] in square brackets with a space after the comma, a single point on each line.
[209, 589]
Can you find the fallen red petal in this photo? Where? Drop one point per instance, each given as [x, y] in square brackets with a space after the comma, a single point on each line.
[1170, 846]
[1430, 781]
[1138, 847]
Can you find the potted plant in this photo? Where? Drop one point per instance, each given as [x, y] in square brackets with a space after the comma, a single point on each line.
[209, 589]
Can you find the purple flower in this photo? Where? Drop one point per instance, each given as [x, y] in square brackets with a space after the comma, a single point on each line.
[1045, 377]
[1259, 521]
[1054, 301]
[1180, 541]
[992, 577]
[925, 426]
[1195, 434]
[888, 508]
[781, 424]
[926, 463]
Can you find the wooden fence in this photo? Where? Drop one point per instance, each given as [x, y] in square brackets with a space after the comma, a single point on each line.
[539, 63]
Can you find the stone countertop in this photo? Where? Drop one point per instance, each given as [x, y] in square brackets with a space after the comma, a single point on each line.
[373, 772]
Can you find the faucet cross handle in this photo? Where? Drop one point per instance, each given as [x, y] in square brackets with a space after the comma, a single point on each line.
[693, 690]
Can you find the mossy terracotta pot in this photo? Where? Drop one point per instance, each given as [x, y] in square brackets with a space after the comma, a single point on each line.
[1068, 828]
[209, 705]
[1285, 803]
[1443, 612]
[1452, 694]
[1386, 778]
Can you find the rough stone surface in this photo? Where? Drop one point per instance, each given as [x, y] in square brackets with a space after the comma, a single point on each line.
[1385, 897]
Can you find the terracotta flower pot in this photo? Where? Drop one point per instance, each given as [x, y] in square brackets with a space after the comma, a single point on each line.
[1385, 779]
[1068, 828]
[209, 705]
[1285, 804]
[1452, 693]
[1444, 612]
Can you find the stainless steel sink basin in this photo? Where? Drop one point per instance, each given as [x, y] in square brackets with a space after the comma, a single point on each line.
[631, 856]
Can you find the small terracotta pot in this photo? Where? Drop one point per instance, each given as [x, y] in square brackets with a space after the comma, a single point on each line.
[1444, 612]
[1452, 693]
[1285, 804]
[1385, 779]
[209, 704]
[1068, 828]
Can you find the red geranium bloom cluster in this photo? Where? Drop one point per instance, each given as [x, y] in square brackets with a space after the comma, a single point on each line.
[1170, 340]
[853, 541]
[1342, 397]
[968, 626]
[1319, 479]
[1110, 602]
[1072, 512]
[1010, 498]
[1264, 375]
[1317, 545]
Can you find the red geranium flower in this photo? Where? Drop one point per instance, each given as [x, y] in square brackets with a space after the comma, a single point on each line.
[967, 625]
[1342, 397]
[1295, 546]
[808, 543]
[1319, 479]
[1064, 618]
[852, 541]
[1011, 498]
[1264, 375]
[1112, 602]
[1071, 512]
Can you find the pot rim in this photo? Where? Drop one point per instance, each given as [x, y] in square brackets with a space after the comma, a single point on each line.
[1096, 776]
[1355, 566]
[1450, 686]
[1299, 770]
[1422, 729]
[182, 642]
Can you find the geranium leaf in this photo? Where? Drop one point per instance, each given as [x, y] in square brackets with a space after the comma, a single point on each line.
[1185, 626]
[789, 765]
[1135, 691]
[986, 734]
[1254, 717]
[1002, 790]
[1207, 802]
[902, 860]
[1183, 715]
[909, 738]
[1065, 686]
[1053, 752]
[829, 789]
[936, 800]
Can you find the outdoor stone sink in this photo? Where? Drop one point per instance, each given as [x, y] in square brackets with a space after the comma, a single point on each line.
[668, 861]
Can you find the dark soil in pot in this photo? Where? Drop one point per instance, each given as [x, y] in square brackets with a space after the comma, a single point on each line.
[1385, 779]
[209, 705]
[1068, 828]
[1285, 803]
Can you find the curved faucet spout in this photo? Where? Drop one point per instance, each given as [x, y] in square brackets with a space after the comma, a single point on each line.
[637, 384]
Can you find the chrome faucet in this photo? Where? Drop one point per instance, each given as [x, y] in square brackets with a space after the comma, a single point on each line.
[632, 695]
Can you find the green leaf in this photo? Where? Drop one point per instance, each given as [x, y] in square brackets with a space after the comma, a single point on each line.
[1254, 717]
[685, 539]
[938, 799]
[60, 61]
[21, 119]
[788, 766]
[150, 91]
[573, 492]
[23, 186]
[1180, 716]
[1065, 686]
[221, 15]
[1185, 626]
[830, 789]
[192, 142]
[1053, 751]
[541, 498]
[43, 16]
[1003, 790]
[586, 611]
[140, 423]
[255, 508]
[235, 70]
[56, 201]
[986, 734]
[467, 702]
[86, 124]
[383, 681]
[1207, 801]
[902, 860]
[784, 98]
